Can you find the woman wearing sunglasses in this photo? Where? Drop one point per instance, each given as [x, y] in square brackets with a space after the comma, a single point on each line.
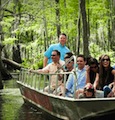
[92, 72]
[106, 75]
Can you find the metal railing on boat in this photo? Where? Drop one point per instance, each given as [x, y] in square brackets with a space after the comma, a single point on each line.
[39, 81]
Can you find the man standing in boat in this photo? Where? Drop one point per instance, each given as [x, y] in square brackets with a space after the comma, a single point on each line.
[54, 66]
[61, 47]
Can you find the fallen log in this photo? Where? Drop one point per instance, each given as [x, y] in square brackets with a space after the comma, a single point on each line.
[11, 63]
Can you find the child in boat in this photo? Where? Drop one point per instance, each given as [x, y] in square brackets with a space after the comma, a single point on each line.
[87, 92]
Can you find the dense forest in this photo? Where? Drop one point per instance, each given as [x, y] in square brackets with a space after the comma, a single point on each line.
[31, 26]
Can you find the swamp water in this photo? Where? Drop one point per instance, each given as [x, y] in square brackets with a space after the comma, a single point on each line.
[12, 106]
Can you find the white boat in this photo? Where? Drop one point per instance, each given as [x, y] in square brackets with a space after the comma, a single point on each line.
[31, 86]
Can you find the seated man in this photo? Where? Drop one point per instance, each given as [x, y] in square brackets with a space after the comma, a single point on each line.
[52, 68]
[79, 80]
[69, 65]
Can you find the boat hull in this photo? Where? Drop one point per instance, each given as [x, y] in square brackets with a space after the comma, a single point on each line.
[66, 108]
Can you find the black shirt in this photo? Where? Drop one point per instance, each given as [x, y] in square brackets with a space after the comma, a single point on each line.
[107, 77]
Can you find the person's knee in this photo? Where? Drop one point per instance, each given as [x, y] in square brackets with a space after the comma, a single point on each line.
[106, 90]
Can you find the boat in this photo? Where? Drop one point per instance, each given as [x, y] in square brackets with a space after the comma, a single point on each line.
[32, 86]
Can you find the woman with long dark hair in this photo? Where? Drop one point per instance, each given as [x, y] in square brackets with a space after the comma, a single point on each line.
[92, 72]
[106, 74]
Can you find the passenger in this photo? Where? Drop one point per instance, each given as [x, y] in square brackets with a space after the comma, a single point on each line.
[69, 64]
[81, 77]
[61, 47]
[88, 92]
[111, 92]
[92, 76]
[92, 72]
[106, 74]
[52, 68]
[88, 59]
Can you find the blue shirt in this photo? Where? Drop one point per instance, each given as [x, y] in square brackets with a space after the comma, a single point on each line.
[62, 49]
[81, 81]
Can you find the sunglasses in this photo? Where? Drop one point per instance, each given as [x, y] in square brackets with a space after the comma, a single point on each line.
[79, 61]
[53, 55]
[69, 62]
[106, 59]
[93, 67]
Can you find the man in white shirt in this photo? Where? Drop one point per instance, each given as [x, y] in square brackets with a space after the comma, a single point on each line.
[52, 68]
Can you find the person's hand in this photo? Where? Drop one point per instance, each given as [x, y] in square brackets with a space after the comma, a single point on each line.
[111, 94]
[87, 67]
[111, 85]
[59, 66]
[60, 94]
[30, 70]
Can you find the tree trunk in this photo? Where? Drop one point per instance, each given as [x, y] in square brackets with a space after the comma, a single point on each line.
[113, 26]
[58, 18]
[2, 69]
[85, 28]
[1, 17]
[78, 29]
[16, 54]
[79, 25]
[1, 85]
[46, 44]
[11, 63]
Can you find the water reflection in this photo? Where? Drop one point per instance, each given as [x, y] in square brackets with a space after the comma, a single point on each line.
[12, 106]
[28, 113]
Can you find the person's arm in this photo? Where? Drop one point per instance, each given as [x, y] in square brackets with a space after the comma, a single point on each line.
[87, 67]
[113, 72]
[111, 84]
[69, 83]
[47, 54]
[112, 93]
[96, 82]
[44, 70]
[35, 71]
[45, 61]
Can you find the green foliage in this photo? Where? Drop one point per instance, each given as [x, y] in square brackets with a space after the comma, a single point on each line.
[10, 40]
[34, 23]
[35, 54]
[28, 63]
[96, 52]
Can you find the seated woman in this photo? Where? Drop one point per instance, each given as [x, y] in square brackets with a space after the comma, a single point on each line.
[92, 76]
[92, 72]
[106, 74]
